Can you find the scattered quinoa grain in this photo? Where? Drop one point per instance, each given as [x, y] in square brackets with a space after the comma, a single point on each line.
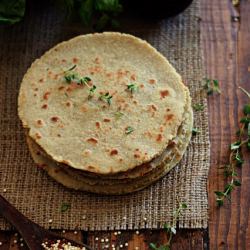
[50, 220]
[115, 233]
[4, 190]
[119, 232]
[126, 244]
[96, 238]
[121, 246]
[102, 240]
[75, 232]
[106, 240]
[1, 243]
[137, 232]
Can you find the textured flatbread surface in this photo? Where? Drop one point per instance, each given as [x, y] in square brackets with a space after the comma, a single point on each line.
[159, 166]
[85, 133]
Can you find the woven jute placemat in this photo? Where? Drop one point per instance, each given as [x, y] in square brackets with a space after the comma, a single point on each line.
[38, 196]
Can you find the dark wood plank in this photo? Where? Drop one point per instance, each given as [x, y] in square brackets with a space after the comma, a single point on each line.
[226, 47]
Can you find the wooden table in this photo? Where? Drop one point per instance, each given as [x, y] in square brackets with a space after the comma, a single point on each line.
[226, 43]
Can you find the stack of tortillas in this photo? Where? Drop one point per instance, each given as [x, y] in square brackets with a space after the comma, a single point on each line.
[105, 113]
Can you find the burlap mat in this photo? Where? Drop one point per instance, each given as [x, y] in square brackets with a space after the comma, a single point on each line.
[38, 196]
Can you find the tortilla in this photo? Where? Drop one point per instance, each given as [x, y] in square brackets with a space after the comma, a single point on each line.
[86, 132]
[162, 164]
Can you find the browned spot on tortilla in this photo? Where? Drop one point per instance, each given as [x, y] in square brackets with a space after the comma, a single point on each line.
[54, 118]
[132, 77]
[36, 89]
[164, 93]
[161, 128]
[137, 149]
[44, 106]
[46, 95]
[38, 136]
[58, 135]
[120, 160]
[114, 152]
[65, 162]
[169, 117]
[168, 109]
[106, 120]
[152, 81]
[84, 109]
[55, 76]
[97, 60]
[87, 152]
[35, 94]
[142, 86]
[41, 80]
[159, 137]
[68, 104]
[90, 168]
[97, 124]
[109, 74]
[136, 155]
[147, 133]
[63, 60]
[61, 88]
[135, 102]
[39, 122]
[75, 60]
[92, 140]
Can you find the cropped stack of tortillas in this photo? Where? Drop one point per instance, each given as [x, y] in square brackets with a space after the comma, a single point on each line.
[105, 113]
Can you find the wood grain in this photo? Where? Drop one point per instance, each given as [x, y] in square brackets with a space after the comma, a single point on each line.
[226, 47]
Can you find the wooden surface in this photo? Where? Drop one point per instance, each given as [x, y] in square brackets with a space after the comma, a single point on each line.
[226, 46]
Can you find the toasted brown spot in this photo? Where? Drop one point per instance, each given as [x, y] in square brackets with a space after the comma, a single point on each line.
[65, 162]
[137, 155]
[68, 104]
[132, 77]
[109, 74]
[90, 168]
[154, 107]
[36, 89]
[164, 93]
[169, 117]
[46, 95]
[63, 60]
[97, 60]
[58, 135]
[161, 128]
[39, 122]
[106, 120]
[35, 94]
[152, 81]
[97, 124]
[142, 86]
[45, 106]
[84, 109]
[54, 118]
[55, 76]
[120, 160]
[159, 137]
[87, 152]
[75, 60]
[168, 109]
[61, 88]
[92, 140]
[114, 152]
[38, 136]
[41, 80]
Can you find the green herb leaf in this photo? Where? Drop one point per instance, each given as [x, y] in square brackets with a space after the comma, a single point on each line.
[153, 246]
[235, 145]
[65, 207]
[129, 130]
[246, 109]
[198, 107]
[132, 88]
[84, 80]
[238, 158]
[195, 131]
[111, 6]
[92, 91]
[85, 11]
[11, 11]
[219, 193]
[184, 205]
[70, 77]
[219, 202]
[106, 97]
[73, 67]
[118, 114]
[237, 182]
[245, 120]
[212, 86]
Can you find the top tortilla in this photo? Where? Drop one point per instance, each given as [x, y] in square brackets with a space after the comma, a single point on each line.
[85, 133]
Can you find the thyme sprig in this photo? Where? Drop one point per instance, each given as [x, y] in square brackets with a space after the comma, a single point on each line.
[212, 86]
[106, 97]
[236, 157]
[170, 229]
[132, 88]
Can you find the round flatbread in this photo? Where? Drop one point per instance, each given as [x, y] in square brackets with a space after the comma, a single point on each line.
[103, 103]
[162, 164]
